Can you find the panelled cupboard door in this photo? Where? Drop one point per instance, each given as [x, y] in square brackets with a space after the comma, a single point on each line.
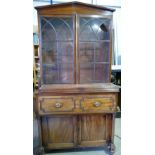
[94, 130]
[59, 131]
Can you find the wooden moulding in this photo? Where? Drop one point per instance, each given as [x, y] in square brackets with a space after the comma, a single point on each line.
[73, 8]
[79, 88]
[74, 4]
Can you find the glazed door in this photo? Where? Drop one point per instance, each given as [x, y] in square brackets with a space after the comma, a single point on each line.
[94, 49]
[59, 131]
[94, 130]
[57, 49]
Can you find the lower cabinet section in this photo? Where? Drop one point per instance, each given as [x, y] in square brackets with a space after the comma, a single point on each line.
[69, 131]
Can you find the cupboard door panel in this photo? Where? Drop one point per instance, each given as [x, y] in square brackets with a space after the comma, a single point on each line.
[59, 131]
[94, 130]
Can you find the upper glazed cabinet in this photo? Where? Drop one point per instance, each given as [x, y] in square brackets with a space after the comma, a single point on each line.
[75, 43]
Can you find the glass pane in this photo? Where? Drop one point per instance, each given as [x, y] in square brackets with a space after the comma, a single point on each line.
[86, 52]
[57, 49]
[102, 73]
[93, 29]
[102, 52]
[48, 33]
[63, 28]
[66, 52]
[49, 53]
[66, 73]
[86, 73]
[50, 73]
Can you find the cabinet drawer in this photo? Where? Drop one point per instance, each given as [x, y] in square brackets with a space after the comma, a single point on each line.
[55, 104]
[96, 104]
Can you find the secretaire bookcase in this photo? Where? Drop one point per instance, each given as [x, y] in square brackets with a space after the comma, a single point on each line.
[76, 101]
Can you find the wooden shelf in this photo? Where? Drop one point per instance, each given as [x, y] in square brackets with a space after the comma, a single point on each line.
[36, 68]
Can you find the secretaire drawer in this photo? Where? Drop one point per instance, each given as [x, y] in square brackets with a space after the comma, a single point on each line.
[55, 104]
[98, 103]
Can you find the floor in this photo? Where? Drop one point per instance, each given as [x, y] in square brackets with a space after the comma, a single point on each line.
[117, 141]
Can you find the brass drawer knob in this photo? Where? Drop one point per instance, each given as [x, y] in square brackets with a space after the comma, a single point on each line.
[58, 105]
[97, 104]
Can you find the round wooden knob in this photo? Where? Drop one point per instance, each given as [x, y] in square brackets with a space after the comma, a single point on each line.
[58, 105]
[97, 104]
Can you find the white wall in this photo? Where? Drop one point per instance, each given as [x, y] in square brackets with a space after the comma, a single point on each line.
[108, 2]
[35, 20]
